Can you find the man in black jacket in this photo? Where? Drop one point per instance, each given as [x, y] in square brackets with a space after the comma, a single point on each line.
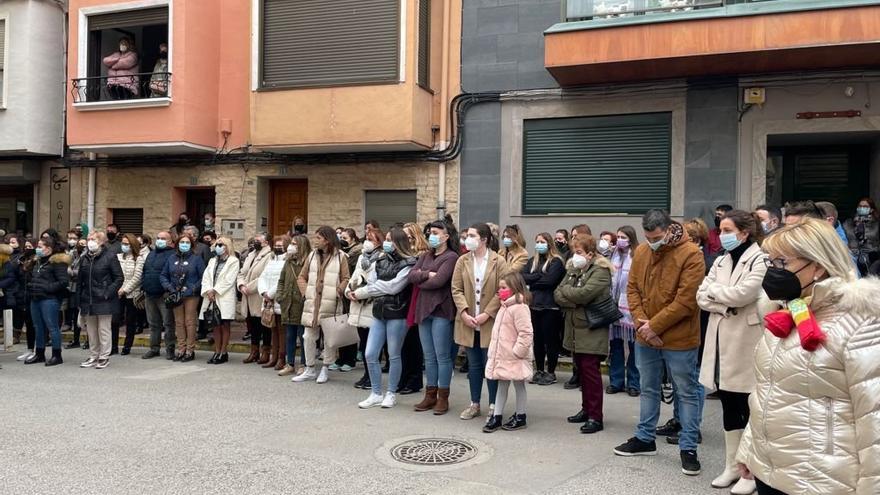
[159, 316]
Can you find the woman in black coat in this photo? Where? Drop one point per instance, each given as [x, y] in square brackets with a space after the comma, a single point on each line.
[47, 287]
[98, 283]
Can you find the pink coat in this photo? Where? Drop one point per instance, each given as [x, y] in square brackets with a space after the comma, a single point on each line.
[122, 70]
[510, 351]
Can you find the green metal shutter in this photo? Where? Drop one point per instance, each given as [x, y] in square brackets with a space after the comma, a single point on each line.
[129, 18]
[390, 207]
[424, 44]
[609, 164]
[322, 43]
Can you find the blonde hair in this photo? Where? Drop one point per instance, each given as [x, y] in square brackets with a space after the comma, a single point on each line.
[99, 236]
[814, 240]
[226, 241]
[697, 230]
[419, 244]
[552, 252]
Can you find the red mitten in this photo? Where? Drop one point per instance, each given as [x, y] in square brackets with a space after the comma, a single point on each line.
[780, 323]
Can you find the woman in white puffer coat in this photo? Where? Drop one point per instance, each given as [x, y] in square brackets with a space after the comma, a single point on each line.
[814, 426]
[267, 286]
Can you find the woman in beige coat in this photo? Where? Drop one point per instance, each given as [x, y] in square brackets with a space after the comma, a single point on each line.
[252, 301]
[474, 290]
[322, 281]
[815, 418]
[730, 295]
[513, 249]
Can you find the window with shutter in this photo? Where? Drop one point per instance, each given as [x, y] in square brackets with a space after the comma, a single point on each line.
[390, 207]
[129, 18]
[320, 43]
[129, 220]
[424, 79]
[609, 164]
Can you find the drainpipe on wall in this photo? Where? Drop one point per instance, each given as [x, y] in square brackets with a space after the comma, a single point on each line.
[90, 208]
[444, 97]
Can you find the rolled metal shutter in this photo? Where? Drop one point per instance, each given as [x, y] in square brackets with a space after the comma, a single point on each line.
[613, 164]
[129, 220]
[129, 18]
[321, 43]
[424, 68]
[390, 207]
[2, 43]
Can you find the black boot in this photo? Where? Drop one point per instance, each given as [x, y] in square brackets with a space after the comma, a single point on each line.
[493, 424]
[222, 358]
[364, 379]
[574, 382]
[214, 358]
[516, 422]
[72, 345]
[55, 359]
[580, 417]
[38, 357]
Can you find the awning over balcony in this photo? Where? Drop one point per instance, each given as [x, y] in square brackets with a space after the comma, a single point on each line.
[753, 38]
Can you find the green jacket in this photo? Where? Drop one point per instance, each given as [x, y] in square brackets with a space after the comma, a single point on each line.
[579, 289]
[288, 295]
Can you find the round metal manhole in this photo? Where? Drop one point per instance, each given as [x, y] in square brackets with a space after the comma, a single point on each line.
[433, 452]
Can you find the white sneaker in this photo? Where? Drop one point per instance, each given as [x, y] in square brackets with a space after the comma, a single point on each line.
[308, 374]
[372, 401]
[389, 401]
[27, 355]
[323, 376]
[88, 363]
[102, 363]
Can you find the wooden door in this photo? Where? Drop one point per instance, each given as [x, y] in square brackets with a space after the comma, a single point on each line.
[289, 199]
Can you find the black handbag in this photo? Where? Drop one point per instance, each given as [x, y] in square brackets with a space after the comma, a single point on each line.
[602, 313]
[212, 316]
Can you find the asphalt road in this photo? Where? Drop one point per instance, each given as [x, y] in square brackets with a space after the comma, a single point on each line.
[145, 427]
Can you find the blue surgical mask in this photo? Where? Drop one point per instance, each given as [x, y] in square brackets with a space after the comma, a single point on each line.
[126, 248]
[38, 252]
[184, 247]
[657, 245]
[161, 243]
[434, 241]
[507, 241]
[388, 247]
[729, 241]
[541, 248]
[863, 211]
[219, 250]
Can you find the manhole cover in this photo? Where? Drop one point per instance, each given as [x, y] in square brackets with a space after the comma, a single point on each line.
[433, 452]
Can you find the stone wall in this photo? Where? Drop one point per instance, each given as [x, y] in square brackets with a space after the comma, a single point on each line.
[335, 195]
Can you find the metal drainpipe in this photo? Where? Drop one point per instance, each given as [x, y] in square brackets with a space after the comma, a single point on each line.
[444, 97]
[90, 215]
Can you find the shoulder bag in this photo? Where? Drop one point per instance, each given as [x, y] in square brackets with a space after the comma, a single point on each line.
[337, 332]
[602, 313]
[212, 316]
[267, 315]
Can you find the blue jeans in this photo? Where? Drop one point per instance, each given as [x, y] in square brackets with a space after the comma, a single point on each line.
[45, 315]
[701, 395]
[477, 358]
[622, 375]
[436, 336]
[395, 332]
[293, 334]
[681, 366]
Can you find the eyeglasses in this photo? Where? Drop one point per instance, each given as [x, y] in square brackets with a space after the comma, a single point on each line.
[778, 262]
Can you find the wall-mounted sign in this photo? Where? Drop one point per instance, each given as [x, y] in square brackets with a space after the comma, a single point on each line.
[59, 199]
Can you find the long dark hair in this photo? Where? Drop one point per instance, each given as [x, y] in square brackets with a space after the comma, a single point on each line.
[328, 233]
[631, 233]
[747, 222]
[485, 232]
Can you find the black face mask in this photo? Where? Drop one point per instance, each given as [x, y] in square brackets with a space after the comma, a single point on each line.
[29, 252]
[279, 251]
[343, 244]
[782, 285]
[299, 229]
[717, 222]
[111, 236]
[560, 245]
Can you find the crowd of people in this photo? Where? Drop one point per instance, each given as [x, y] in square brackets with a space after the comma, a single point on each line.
[773, 313]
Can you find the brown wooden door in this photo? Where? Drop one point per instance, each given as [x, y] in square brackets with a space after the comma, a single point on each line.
[289, 199]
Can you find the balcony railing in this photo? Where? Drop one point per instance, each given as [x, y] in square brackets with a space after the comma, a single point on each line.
[578, 10]
[142, 86]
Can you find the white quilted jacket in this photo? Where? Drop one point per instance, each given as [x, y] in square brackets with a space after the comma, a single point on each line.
[815, 416]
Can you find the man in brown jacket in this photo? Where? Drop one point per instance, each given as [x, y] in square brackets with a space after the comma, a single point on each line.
[662, 294]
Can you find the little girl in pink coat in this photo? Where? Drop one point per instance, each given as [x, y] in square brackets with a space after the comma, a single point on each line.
[510, 351]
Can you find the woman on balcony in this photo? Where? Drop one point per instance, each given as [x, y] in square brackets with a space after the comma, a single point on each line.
[122, 69]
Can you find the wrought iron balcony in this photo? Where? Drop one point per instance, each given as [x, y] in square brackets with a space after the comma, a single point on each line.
[577, 10]
[147, 85]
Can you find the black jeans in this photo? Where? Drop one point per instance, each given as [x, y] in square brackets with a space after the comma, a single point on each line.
[764, 489]
[258, 331]
[129, 316]
[413, 360]
[21, 317]
[735, 408]
[348, 355]
[546, 323]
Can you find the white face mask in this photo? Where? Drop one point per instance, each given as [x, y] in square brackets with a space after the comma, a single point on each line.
[578, 261]
[604, 246]
[291, 249]
[369, 247]
[93, 246]
[471, 243]
[123, 47]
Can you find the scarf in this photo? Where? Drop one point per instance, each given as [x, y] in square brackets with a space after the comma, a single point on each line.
[798, 315]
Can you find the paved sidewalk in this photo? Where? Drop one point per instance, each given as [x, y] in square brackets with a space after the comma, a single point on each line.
[144, 427]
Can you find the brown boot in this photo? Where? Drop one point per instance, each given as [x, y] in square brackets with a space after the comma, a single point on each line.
[252, 357]
[442, 405]
[282, 350]
[429, 401]
[273, 352]
[264, 354]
